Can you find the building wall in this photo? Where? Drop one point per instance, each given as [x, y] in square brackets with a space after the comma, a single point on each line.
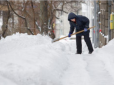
[104, 19]
[112, 10]
[103, 8]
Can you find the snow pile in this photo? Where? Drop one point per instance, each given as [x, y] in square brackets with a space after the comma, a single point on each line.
[31, 60]
[35, 60]
[106, 55]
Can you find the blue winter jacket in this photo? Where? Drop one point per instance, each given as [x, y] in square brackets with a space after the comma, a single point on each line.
[81, 23]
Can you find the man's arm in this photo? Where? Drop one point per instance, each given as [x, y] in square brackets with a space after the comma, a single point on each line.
[71, 28]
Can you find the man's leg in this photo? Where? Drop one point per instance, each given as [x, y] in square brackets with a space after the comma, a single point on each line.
[78, 44]
[88, 43]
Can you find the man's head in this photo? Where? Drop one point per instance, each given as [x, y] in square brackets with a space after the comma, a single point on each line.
[72, 16]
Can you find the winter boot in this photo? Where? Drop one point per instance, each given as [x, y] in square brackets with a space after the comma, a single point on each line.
[91, 52]
[78, 53]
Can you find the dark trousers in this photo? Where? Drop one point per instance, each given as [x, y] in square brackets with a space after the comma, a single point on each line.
[79, 43]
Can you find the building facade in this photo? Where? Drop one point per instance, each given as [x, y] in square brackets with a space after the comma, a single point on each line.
[102, 33]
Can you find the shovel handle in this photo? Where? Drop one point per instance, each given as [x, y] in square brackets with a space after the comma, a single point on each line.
[73, 34]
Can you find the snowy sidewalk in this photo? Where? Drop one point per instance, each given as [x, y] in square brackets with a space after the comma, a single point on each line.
[90, 69]
[34, 60]
[76, 73]
[87, 70]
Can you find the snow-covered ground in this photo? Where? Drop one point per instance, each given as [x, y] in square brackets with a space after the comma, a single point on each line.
[35, 60]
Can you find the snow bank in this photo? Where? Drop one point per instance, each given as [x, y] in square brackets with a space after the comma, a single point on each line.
[32, 60]
[106, 55]
[35, 60]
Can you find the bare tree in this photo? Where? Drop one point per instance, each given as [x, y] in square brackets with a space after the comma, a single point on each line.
[44, 17]
[35, 17]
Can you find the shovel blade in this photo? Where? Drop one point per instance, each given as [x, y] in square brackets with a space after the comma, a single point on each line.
[54, 40]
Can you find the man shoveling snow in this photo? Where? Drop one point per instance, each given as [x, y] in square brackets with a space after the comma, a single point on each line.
[80, 23]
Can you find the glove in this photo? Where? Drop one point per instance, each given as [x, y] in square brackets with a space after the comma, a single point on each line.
[85, 29]
[69, 35]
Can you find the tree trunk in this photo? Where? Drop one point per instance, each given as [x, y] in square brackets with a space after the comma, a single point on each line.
[44, 17]
[5, 24]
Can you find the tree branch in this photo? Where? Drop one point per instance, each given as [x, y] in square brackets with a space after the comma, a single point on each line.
[20, 17]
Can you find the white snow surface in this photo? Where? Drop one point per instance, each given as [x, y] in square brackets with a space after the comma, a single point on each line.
[35, 60]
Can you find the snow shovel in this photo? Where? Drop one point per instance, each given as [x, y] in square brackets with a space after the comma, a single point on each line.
[71, 34]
